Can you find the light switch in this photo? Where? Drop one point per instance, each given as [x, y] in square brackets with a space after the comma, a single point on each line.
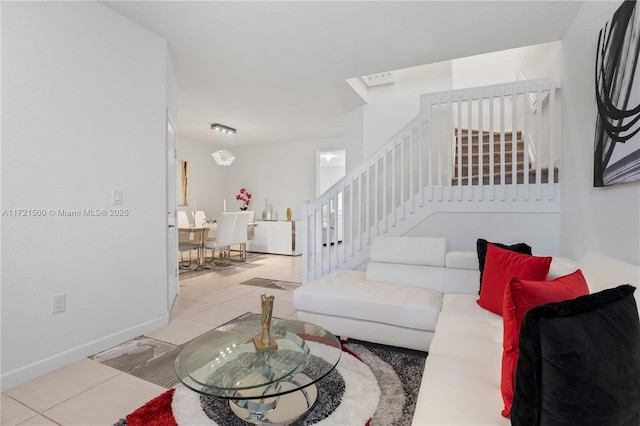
[116, 197]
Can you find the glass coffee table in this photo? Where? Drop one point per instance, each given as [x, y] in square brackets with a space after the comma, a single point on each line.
[272, 387]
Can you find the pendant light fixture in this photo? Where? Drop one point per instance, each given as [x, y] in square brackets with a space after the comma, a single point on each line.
[224, 157]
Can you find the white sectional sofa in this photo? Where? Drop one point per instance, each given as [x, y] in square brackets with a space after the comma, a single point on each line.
[398, 299]
[416, 294]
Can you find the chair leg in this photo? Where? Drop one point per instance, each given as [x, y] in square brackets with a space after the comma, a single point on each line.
[182, 262]
[213, 255]
[225, 253]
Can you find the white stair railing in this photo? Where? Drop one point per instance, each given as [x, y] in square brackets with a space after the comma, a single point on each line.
[491, 127]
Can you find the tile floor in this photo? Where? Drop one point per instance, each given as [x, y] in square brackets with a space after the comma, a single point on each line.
[89, 393]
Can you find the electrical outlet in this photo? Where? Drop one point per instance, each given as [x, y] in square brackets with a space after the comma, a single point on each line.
[58, 303]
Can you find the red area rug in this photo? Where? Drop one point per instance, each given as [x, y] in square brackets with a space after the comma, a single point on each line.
[156, 412]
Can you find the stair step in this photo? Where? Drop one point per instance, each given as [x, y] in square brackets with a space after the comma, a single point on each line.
[486, 135]
[486, 169]
[492, 149]
[508, 146]
[486, 156]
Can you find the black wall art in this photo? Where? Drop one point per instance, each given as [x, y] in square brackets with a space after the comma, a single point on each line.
[617, 138]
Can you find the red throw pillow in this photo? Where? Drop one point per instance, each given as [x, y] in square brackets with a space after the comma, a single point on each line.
[520, 296]
[500, 266]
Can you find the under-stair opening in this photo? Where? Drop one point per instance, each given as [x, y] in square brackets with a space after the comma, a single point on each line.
[492, 154]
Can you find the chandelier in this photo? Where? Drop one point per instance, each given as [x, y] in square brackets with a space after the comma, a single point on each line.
[224, 157]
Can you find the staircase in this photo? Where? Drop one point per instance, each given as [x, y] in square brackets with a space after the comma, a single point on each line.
[481, 149]
[491, 155]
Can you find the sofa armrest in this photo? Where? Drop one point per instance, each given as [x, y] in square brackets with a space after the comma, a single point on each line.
[602, 272]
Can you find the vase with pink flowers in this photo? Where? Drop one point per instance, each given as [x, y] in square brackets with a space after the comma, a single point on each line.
[245, 197]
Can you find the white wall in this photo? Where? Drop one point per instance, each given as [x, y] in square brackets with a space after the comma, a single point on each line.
[539, 230]
[285, 173]
[603, 220]
[389, 108]
[542, 60]
[172, 90]
[328, 176]
[84, 97]
[207, 181]
[539, 61]
[354, 138]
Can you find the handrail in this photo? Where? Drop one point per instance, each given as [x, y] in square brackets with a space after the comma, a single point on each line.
[471, 145]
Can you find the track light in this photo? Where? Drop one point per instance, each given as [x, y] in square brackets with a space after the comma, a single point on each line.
[223, 129]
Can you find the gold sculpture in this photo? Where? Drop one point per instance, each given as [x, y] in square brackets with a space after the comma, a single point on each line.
[263, 341]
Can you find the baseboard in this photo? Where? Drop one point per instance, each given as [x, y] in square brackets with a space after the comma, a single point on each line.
[46, 365]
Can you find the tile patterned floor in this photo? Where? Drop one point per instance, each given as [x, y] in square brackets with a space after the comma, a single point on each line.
[89, 393]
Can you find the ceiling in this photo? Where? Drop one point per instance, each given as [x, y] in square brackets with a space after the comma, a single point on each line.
[276, 71]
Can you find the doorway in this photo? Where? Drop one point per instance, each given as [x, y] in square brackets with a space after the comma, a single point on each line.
[330, 168]
[172, 230]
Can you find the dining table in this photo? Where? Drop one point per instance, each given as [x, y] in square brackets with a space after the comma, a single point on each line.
[201, 231]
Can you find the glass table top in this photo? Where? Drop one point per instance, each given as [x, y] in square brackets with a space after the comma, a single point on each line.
[224, 362]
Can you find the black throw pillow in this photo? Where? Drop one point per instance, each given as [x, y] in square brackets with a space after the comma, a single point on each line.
[579, 362]
[481, 246]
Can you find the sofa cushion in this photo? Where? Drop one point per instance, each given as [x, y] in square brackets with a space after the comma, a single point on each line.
[481, 247]
[561, 266]
[468, 303]
[346, 293]
[409, 250]
[464, 327]
[501, 265]
[431, 277]
[519, 297]
[460, 281]
[461, 381]
[461, 260]
[457, 391]
[580, 362]
[602, 272]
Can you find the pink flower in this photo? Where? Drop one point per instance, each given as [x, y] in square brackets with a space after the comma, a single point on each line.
[245, 197]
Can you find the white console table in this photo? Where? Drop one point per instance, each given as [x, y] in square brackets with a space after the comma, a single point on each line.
[276, 237]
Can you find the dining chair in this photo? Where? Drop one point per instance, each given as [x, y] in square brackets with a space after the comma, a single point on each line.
[199, 218]
[224, 234]
[240, 233]
[183, 219]
[185, 239]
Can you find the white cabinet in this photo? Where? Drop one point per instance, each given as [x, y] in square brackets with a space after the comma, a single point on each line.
[276, 237]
